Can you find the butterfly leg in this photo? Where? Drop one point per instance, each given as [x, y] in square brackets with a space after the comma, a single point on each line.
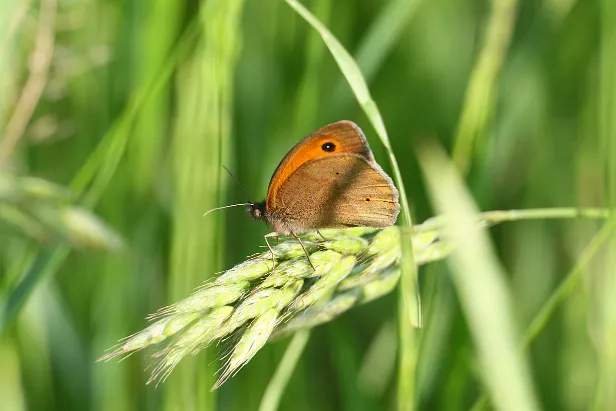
[272, 234]
[304, 248]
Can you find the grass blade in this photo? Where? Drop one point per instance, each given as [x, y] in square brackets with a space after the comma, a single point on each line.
[278, 383]
[410, 301]
[605, 287]
[481, 92]
[200, 146]
[480, 283]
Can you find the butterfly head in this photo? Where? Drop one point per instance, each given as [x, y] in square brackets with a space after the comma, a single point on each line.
[256, 210]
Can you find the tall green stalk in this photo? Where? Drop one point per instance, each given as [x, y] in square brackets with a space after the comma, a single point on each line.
[200, 148]
[605, 395]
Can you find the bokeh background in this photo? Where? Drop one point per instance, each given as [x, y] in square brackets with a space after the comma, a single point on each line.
[131, 108]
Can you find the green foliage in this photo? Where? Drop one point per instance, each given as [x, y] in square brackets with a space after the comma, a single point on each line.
[115, 119]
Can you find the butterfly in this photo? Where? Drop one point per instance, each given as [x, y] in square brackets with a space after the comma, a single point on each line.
[328, 180]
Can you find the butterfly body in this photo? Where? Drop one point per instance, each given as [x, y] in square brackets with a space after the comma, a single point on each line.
[329, 180]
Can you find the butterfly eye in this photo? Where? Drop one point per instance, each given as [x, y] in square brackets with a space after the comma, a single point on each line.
[329, 147]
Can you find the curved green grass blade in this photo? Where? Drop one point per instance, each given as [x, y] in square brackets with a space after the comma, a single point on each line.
[410, 301]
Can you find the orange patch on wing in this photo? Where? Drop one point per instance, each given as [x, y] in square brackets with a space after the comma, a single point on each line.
[344, 135]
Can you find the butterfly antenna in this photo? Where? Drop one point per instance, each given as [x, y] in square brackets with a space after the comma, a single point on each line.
[227, 206]
[236, 180]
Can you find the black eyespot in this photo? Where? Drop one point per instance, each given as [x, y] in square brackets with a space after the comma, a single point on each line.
[329, 147]
[337, 173]
[367, 199]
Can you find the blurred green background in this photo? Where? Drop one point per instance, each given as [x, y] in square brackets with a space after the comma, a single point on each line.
[134, 106]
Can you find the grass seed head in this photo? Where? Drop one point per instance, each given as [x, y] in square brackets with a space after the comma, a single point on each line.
[323, 262]
[200, 333]
[352, 266]
[253, 306]
[288, 250]
[296, 268]
[251, 341]
[247, 271]
[194, 339]
[256, 304]
[346, 245]
[155, 333]
[372, 270]
[384, 240]
[383, 285]
[434, 252]
[333, 233]
[316, 315]
[276, 279]
[212, 296]
[325, 284]
[288, 293]
[178, 322]
[423, 240]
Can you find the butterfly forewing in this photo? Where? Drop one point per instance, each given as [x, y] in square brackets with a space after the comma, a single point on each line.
[342, 137]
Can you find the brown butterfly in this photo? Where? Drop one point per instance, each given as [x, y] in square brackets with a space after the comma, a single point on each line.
[328, 180]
